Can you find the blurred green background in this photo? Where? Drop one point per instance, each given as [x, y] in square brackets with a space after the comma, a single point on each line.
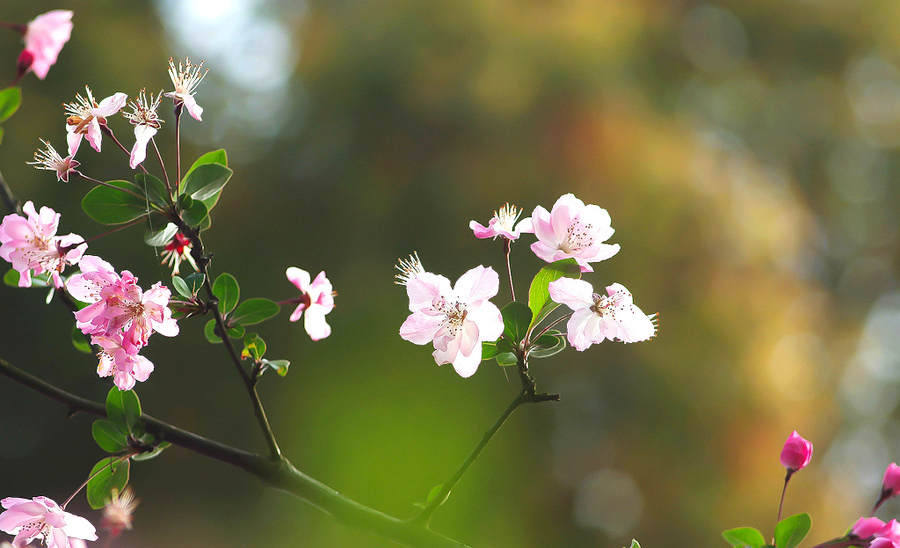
[746, 151]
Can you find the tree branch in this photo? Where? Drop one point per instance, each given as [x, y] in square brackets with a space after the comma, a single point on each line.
[280, 474]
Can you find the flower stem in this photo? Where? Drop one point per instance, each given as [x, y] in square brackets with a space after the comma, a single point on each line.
[425, 516]
[83, 485]
[783, 491]
[178, 108]
[507, 249]
[163, 165]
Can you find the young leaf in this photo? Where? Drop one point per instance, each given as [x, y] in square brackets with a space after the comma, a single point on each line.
[547, 345]
[539, 296]
[209, 330]
[195, 282]
[790, 531]
[433, 494]
[181, 287]
[112, 206]
[205, 182]
[195, 213]
[79, 342]
[105, 476]
[108, 437]
[154, 189]
[744, 537]
[488, 350]
[151, 454]
[635, 544]
[254, 347]
[227, 290]
[161, 237]
[254, 311]
[516, 319]
[236, 331]
[10, 99]
[280, 366]
[506, 359]
[123, 409]
[214, 157]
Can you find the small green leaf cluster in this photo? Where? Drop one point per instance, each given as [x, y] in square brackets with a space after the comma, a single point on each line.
[255, 349]
[789, 532]
[123, 435]
[237, 316]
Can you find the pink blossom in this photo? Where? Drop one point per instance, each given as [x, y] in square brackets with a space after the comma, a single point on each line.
[501, 224]
[121, 360]
[86, 116]
[50, 160]
[796, 453]
[42, 518]
[44, 38]
[146, 123]
[598, 317]
[457, 320]
[317, 300]
[409, 269]
[178, 249]
[90, 286]
[186, 79]
[866, 527]
[888, 536]
[136, 313]
[31, 244]
[574, 230]
[891, 483]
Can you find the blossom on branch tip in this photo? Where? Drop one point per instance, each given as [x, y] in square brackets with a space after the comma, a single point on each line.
[573, 229]
[503, 223]
[50, 160]
[888, 536]
[32, 246]
[146, 123]
[796, 453]
[866, 527]
[598, 317]
[44, 38]
[316, 299]
[86, 116]
[455, 319]
[186, 78]
[890, 485]
[42, 518]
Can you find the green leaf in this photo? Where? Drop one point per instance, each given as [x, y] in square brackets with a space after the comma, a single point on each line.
[112, 206]
[516, 319]
[254, 311]
[744, 537]
[539, 295]
[154, 189]
[280, 366]
[79, 342]
[254, 347]
[214, 157]
[195, 213]
[151, 454]
[210, 331]
[108, 474]
[236, 331]
[161, 237]
[195, 282]
[488, 350]
[790, 531]
[227, 290]
[181, 287]
[548, 344]
[205, 183]
[123, 408]
[635, 544]
[433, 494]
[507, 358]
[11, 278]
[10, 99]
[108, 436]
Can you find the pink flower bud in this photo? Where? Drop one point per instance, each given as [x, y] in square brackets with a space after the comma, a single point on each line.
[796, 452]
[866, 527]
[891, 483]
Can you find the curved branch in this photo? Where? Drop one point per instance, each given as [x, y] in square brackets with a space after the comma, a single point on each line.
[280, 474]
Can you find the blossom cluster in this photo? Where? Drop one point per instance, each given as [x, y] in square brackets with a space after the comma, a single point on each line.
[32, 246]
[120, 317]
[458, 319]
[42, 518]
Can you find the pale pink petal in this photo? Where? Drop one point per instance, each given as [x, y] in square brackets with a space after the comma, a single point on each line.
[299, 277]
[420, 328]
[110, 105]
[295, 315]
[477, 284]
[315, 325]
[195, 110]
[79, 527]
[466, 366]
[142, 136]
[488, 318]
[525, 226]
[577, 326]
[575, 294]
[480, 230]
[73, 139]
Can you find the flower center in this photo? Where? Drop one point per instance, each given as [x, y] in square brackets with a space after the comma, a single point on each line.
[578, 236]
[455, 314]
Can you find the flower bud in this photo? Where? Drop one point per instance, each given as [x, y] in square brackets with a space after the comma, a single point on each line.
[866, 527]
[796, 452]
[891, 485]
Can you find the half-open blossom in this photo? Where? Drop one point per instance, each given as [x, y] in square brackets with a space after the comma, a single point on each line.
[178, 249]
[41, 518]
[573, 230]
[86, 116]
[44, 38]
[118, 511]
[316, 299]
[120, 359]
[32, 246]
[866, 527]
[796, 453]
[890, 486]
[50, 160]
[186, 78]
[146, 123]
[503, 223]
[598, 317]
[456, 319]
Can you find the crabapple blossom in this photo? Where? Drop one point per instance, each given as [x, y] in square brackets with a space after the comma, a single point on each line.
[796, 453]
[32, 246]
[866, 527]
[86, 116]
[186, 79]
[598, 317]
[888, 536]
[42, 518]
[146, 123]
[890, 486]
[121, 361]
[89, 286]
[44, 38]
[137, 313]
[178, 249]
[573, 229]
[456, 319]
[502, 224]
[50, 160]
[317, 300]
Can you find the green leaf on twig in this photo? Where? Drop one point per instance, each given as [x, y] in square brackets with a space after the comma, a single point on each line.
[790, 531]
[10, 99]
[744, 537]
[516, 319]
[539, 295]
[254, 347]
[254, 311]
[154, 189]
[227, 290]
[108, 436]
[161, 237]
[548, 344]
[488, 350]
[205, 183]
[209, 330]
[123, 409]
[112, 206]
[108, 474]
[280, 366]
[151, 454]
